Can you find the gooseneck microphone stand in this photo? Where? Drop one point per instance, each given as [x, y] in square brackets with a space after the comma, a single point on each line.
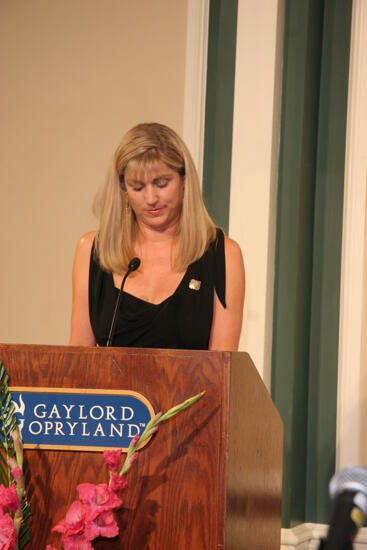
[133, 266]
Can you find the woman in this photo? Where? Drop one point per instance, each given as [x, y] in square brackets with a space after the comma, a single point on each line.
[188, 291]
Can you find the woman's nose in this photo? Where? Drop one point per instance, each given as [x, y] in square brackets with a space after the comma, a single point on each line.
[151, 194]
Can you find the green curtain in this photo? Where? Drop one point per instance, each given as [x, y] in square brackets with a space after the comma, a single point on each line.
[308, 249]
[219, 109]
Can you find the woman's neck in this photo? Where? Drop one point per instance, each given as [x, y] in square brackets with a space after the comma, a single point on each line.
[155, 246]
[153, 236]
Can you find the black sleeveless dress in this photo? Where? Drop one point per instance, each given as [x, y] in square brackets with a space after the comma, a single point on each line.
[182, 321]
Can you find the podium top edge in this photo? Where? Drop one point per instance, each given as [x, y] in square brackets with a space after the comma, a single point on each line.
[96, 349]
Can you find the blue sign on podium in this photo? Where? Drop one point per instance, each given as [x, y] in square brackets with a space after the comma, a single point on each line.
[93, 420]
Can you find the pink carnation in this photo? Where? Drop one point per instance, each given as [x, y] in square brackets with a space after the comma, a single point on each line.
[9, 498]
[112, 459]
[134, 440]
[117, 483]
[8, 535]
[76, 542]
[16, 472]
[105, 525]
[74, 522]
[18, 445]
[133, 457]
[97, 498]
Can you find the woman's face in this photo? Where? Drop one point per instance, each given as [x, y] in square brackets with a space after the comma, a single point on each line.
[155, 194]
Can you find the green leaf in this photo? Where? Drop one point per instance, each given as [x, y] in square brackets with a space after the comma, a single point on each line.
[8, 423]
[178, 408]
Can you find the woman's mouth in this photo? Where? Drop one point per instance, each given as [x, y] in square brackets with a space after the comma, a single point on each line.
[154, 212]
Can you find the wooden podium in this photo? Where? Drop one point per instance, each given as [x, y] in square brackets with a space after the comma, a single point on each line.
[210, 478]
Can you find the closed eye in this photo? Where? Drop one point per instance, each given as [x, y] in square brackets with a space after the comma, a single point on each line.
[135, 185]
[163, 182]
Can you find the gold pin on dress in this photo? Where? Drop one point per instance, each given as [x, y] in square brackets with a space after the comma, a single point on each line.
[194, 284]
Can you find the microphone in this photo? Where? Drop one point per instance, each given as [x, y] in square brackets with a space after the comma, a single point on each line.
[133, 266]
[348, 489]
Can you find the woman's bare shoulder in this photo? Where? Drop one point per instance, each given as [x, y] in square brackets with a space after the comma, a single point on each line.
[86, 240]
[81, 331]
[84, 246]
[83, 250]
[232, 250]
[235, 272]
[227, 321]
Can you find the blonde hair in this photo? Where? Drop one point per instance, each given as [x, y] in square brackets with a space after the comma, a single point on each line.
[146, 144]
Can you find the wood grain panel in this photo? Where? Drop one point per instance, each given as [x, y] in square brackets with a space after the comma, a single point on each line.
[177, 492]
[254, 482]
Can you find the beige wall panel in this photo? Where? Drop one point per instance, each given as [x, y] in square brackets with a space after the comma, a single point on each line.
[352, 373]
[75, 75]
[255, 166]
[362, 459]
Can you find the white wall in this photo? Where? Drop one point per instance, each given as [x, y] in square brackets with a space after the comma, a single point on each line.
[75, 75]
[255, 165]
[352, 375]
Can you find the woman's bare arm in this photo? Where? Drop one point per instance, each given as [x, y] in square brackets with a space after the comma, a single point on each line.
[81, 330]
[227, 322]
